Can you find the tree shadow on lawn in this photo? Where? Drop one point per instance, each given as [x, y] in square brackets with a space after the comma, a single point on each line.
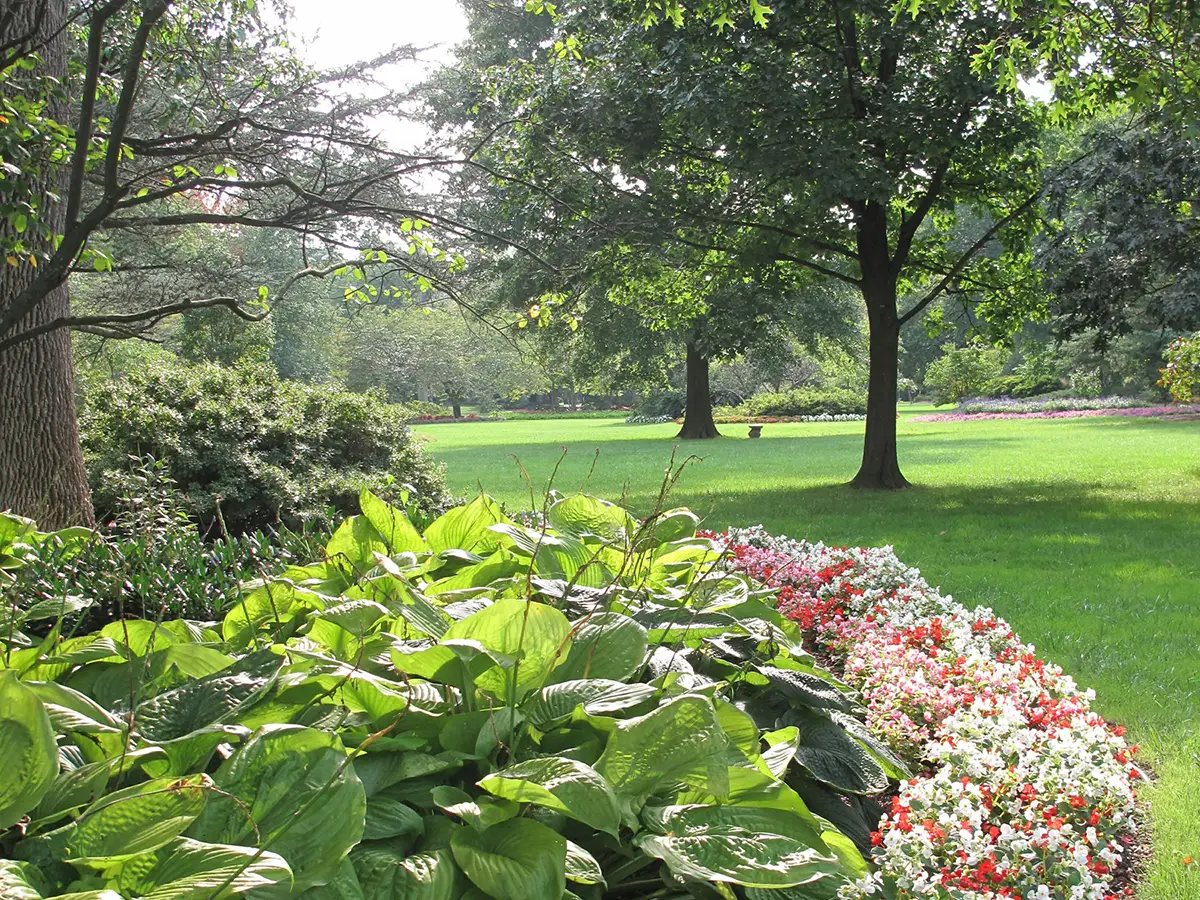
[816, 457]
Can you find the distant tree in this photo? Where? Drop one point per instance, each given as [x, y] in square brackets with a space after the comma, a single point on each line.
[840, 139]
[1182, 372]
[434, 353]
[1124, 252]
[962, 372]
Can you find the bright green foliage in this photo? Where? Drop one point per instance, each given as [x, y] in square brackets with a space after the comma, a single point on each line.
[261, 448]
[481, 709]
[27, 742]
[1183, 368]
[962, 372]
[805, 402]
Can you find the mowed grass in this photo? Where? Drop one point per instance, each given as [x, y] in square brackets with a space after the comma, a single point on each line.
[1083, 533]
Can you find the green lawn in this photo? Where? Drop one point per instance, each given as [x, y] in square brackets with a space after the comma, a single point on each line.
[1083, 533]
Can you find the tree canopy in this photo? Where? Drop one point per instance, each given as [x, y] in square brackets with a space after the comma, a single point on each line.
[836, 139]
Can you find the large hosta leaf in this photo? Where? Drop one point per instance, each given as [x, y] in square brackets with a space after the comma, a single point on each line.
[466, 527]
[136, 820]
[479, 812]
[501, 564]
[566, 785]
[20, 881]
[605, 645]
[882, 753]
[415, 611]
[675, 525]
[558, 701]
[217, 698]
[535, 633]
[743, 845]
[274, 603]
[805, 688]
[355, 544]
[583, 515]
[582, 867]
[344, 886]
[518, 859]
[388, 816]
[391, 523]
[185, 868]
[385, 874]
[67, 655]
[28, 755]
[70, 710]
[301, 793]
[834, 756]
[680, 741]
[78, 787]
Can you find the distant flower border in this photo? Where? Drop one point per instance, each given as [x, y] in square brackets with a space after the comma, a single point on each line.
[1024, 791]
[1165, 412]
[649, 420]
[784, 420]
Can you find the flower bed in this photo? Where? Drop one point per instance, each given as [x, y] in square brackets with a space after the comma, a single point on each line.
[1024, 791]
[1046, 404]
[1137, 411]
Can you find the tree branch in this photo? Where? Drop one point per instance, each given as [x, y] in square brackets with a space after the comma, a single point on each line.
[129, 82]
[966, 258]
[118, 323]
[83, 133]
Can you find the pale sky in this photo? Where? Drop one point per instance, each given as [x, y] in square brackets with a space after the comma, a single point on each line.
[342, 31]
[334, 33]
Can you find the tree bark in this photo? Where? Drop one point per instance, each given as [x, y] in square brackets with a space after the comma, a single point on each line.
[880, 467]
[456, 408]
[41, 463]
[697, 413]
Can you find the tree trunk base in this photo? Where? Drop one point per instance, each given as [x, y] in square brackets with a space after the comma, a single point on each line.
[701, 432]
[889, 479]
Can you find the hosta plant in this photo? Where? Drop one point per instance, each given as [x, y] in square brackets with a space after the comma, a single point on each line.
[594, 708]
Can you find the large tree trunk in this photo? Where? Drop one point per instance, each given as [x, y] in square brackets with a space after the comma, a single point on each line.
[880, 467]
[697, 413]
[41, 463]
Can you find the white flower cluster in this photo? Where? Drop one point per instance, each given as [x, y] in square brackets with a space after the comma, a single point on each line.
[1025, 793]
[649, 420]
[826, 417]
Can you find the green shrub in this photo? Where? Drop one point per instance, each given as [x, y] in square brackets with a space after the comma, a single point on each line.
[480, 710]
[1020, 386]
[962, 372]
[805, 401]
[243, 444]
[414, 409]
[661, 403]
[1182, 371]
